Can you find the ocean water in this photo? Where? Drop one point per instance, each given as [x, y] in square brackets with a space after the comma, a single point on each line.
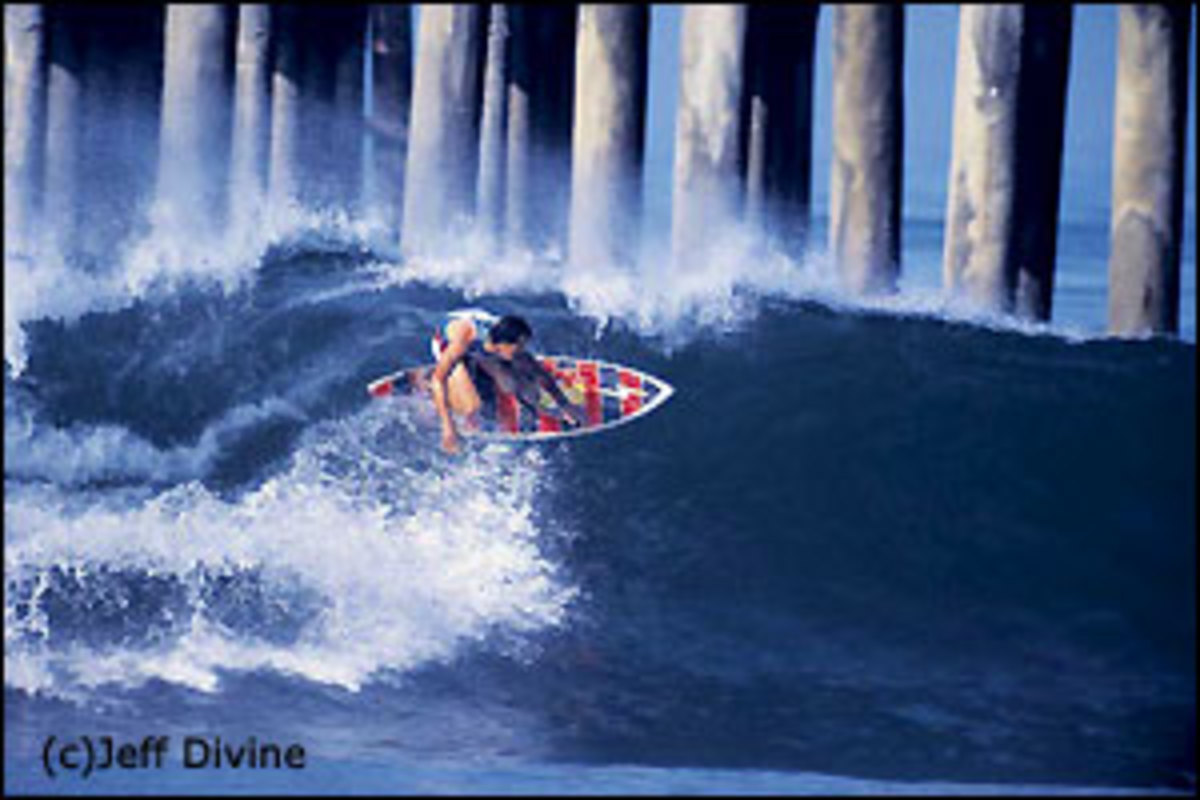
[867, 547]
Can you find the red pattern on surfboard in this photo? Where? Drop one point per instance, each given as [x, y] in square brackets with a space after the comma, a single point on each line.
[589, 374]
[632, 401]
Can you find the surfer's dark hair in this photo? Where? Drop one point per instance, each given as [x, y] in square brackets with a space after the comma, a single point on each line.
[510, 329]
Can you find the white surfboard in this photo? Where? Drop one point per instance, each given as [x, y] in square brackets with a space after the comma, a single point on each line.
[609, 395]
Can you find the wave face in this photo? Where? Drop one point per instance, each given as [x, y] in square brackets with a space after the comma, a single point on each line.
[865, 541]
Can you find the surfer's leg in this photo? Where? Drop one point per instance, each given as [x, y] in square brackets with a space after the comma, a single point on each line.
[464, 397]
[461, 392]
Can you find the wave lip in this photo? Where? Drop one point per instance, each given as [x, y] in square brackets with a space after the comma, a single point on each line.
[81, 455]
[720, 289]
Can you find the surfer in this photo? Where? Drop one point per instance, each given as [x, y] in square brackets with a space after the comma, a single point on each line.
[477, 351]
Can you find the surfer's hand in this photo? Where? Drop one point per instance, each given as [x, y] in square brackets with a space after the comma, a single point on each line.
[573, 415]
[450, 442]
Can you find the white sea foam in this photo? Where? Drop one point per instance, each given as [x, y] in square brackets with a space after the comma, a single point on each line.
[407, 564]
[48, 285]
[723, 290]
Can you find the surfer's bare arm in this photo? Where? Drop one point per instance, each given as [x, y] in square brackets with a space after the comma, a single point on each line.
[547, 382]
[446, 362]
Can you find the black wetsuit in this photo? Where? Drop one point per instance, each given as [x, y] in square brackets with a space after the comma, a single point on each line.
[518, 377]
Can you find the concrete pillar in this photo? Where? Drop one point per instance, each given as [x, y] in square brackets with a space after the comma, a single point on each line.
[609, 133]
[193, 177]
[1148, 169]
[1042, 107]
[441, 168]
[709, 132]
[541, 84]
[64, 128]
[285, 142]
[981, 215]
[868, 145]
[331, 43]
[317, 79]
[1010, 99]
[778, 109]
[138, 109]
[25, 81]
[252, 115]
[348, 120]
[391, 92]
[493, 128]
[121, 95]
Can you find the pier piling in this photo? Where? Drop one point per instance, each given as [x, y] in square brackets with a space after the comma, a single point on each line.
[193, 171]
[541, 72]
[25, 81]
[494, 125]
[64, 128]
[1040, 124]
[391, 94]
[981, 216]
[441, 166]
[709, 129]
[252, 114]
[868, 145]
[283, 183]
[1148, 164]
[1009, 104]
[778, 107]
[609, 134]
